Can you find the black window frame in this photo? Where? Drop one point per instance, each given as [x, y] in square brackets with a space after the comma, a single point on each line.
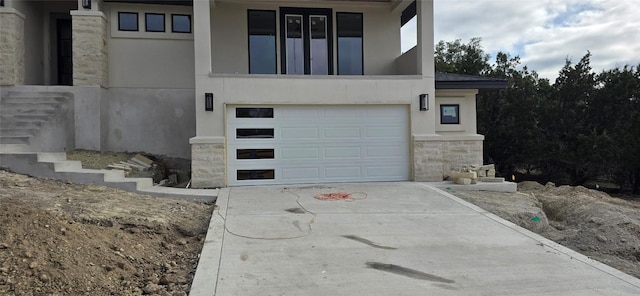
[256, 174]
[338, 40]
[254, 112]
[146, 22]
[173, 27]
[457, 106]
[120, 13]
[275, 27]
[306, 13]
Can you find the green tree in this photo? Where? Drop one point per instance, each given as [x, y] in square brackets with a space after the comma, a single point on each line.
[462, 58]
[615, 111]
[509, 118]
[568, 130]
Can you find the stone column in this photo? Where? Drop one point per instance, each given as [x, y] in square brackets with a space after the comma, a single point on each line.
[11, 47]
[436, 156]
[90, 58]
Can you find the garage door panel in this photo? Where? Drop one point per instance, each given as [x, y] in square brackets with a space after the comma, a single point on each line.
[385, 132]
[297, 112]
[300, 133]
[389, 171]
[300, 153]
[343, 172]
[343, 152]
[300, 173]
[316, 144]
[342, 113]
[346, 132]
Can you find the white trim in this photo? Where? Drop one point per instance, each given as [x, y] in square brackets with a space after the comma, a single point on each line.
[88, 13]
[444, 138]
[207, 140]
[9, 10]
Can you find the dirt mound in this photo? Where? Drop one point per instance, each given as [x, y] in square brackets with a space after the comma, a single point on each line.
[588, 221]
[59, 238]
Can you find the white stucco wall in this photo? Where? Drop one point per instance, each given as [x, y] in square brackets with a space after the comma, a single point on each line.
[229, 42]
[149, 59]
[467, 101]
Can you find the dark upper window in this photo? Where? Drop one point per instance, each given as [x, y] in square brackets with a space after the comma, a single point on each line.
[262, 41]
[180, 23]
[350, 43]
[154, 22]
[128, 21]
[450, 114]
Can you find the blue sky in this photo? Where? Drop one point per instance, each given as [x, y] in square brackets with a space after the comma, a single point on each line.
[546, 32]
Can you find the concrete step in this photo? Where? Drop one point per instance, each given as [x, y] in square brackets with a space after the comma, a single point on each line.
[15, 139]
[34, 100]
[28, 109]
[14, 148]
[11, 117]
[34, 97]
[51, 157]
[55, 166]
[29, 124]
[68, 166]
[5, 132]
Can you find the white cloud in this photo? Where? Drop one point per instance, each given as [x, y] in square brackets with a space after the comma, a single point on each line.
[545, 32]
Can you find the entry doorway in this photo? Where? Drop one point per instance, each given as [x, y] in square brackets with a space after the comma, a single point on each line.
[64, 49]
[306, 41]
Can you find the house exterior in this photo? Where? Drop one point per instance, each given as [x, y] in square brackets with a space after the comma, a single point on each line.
[253, 92]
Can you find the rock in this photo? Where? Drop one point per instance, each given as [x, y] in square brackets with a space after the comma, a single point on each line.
[151, 289]
[601, 238]
[172, 279]
[3, 246]
[43, 277]
[33, 265]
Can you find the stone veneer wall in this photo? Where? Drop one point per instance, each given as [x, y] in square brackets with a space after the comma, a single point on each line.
[433, 159]
[90, 58]
[11, 48]
[208, 168]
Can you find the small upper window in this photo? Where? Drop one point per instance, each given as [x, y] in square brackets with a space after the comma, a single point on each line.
[128, 21]
[450, 114]
[180, 23]
[154, 22]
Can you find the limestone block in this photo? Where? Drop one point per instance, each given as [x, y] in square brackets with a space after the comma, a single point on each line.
[12, 49]
[462, 175]
[463, 181]
[491, 180]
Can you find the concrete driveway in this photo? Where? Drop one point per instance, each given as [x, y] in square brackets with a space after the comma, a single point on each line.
[394, 239]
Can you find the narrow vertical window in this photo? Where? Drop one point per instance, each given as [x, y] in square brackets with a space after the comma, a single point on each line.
[319, 45]
[295, 44]
[350, 43]
[180, 23]
[154, 22]
[262, 41]
[127, 21]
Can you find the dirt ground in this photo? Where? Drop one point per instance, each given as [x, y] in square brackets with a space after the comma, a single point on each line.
[59, 238]
[590, 222]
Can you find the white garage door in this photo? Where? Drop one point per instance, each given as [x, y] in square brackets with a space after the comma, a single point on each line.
[320, 144]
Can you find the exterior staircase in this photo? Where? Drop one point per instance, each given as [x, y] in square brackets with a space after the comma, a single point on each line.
[38, 120]
[33, 125]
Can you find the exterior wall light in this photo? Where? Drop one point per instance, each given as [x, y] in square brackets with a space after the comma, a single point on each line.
[86, 4]
[424, 102]
[208, 101]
